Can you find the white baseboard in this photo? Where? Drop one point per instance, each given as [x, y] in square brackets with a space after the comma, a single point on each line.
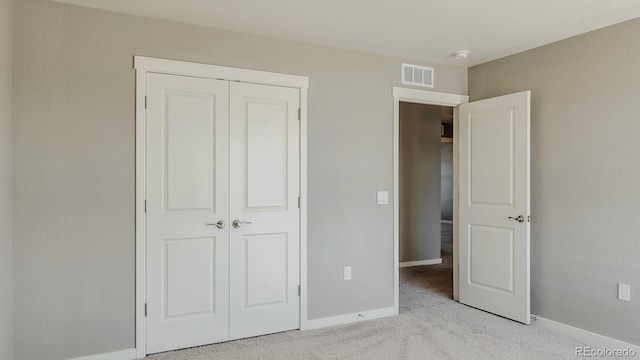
[349, 318]
[129, 354]
[588, 337]
[446, 221]
[421, 262]
[308, 325]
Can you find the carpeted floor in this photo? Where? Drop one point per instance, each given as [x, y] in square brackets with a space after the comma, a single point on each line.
[430, 326]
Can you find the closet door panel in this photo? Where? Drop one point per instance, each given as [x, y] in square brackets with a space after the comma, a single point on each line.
[264, 189]
[187, 193]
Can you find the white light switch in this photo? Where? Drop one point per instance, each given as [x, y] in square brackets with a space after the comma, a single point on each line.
[383, 197]
[624, 292]
[347, 272]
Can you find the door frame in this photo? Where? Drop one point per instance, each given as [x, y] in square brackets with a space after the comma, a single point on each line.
[427, 98]
[144, 65]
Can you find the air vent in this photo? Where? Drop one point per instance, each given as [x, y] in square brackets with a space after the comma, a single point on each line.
[417, 75]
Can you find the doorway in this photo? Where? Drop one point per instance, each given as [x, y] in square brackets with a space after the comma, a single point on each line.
[426, 203]
[414, 96]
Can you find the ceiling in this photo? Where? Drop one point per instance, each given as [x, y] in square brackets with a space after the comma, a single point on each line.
[427, 30]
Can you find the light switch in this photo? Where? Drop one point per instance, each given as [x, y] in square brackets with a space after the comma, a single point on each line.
[383, 197]
[347, 272]
[624, 292]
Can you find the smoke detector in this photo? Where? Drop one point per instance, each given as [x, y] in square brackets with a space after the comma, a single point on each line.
[461, 54]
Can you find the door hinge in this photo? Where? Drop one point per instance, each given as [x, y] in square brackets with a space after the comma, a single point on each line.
[145, 206]
[299, 114]
[145, 102]
[298, 202]
[145, 309]
[299, 290]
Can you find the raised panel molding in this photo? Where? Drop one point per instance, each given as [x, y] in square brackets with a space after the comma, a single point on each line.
[266, 149]
[483, 172]
[189, 163]
[486, 264]
[189, 285]
[265, 270]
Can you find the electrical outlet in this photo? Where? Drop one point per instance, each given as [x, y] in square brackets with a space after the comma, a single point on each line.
[347, 272]
[624, 292]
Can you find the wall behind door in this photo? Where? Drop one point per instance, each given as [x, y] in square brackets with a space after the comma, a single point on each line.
[446, 181]
[6, 283]
[74, 168]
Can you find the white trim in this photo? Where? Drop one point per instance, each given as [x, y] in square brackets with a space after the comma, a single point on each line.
[588, 337]
[350, 318]
[303, 207]
[432, 98]
[405, 264]
[129, 354]
[428, 97]
[446, 221]
[163, 66]
[456, 203]
[396, 202]
[144, 65]
[141, 234]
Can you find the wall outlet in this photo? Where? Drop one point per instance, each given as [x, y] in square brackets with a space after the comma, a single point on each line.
[347, 272]
[624, 292]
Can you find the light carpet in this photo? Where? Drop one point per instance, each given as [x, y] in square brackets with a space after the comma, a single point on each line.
[430, 326]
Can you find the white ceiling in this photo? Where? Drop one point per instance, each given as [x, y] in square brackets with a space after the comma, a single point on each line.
[428, 30]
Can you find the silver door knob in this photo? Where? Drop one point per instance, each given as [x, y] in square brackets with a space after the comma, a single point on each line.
[518, 218]
[237, 223]
[220, 224]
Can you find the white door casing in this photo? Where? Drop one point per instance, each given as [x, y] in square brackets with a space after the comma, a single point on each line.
[145, 68]
[187, 256]
[430, 98]
[264, 189]
[494, 187]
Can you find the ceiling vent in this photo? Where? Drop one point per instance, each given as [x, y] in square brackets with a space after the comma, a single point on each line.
[417, 75]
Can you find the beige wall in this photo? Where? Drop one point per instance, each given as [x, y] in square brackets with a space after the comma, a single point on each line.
[446, 181]
[74, 168]
[419, 182]
[6, 278]
[585, 173]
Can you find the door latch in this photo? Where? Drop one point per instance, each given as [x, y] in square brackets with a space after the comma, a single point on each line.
[518, 218]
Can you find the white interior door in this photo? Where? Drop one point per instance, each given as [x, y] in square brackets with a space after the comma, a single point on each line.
[264, 188]
[187, 193]
[493, 223]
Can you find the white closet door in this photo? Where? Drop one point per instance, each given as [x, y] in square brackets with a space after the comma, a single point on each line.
[264, 188]
[187, 192]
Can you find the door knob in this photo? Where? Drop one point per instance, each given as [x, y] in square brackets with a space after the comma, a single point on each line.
[518, 218]
[237, 223]
[220, 224]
